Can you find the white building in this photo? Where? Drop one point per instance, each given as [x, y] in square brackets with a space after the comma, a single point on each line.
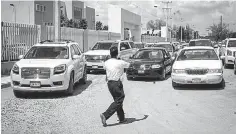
[120, 19]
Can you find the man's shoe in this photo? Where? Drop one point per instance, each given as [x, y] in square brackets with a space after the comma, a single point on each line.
[103, 118]
[123, 121]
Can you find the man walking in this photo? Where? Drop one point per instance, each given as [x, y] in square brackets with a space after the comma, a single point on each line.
[114, 71]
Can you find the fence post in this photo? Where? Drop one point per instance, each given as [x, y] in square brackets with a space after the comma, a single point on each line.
[38, 33]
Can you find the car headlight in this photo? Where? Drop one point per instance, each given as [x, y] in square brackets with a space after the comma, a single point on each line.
[156, 66]
[178, 71]
[15, 69]
[60, 69]
[215, 71]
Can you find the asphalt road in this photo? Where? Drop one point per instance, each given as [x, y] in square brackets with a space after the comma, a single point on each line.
[151, 107]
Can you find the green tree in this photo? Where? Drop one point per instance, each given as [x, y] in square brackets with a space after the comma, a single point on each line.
[63, 21]
[99, 25]
[105, 27]
[83, 24]
[219, 32]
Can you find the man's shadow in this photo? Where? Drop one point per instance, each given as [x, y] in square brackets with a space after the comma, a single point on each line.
[128, 121]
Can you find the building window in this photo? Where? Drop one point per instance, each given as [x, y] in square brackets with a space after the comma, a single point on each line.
[40, 8]
[77, 13]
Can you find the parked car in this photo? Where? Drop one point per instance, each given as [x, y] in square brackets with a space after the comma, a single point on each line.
[101, 52]
[150, 63]
[235, 65]
[200, 42]
[229, 52]
[168, 46]
[139, 45]
[197, 65]
[148, 45]
[49, 66]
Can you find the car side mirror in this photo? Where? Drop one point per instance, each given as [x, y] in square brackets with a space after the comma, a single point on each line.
[75, 57]
[21, 57]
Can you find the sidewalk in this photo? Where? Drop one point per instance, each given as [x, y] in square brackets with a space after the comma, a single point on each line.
[5, 82]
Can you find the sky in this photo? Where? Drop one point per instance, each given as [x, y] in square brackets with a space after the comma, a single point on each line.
[198, 14]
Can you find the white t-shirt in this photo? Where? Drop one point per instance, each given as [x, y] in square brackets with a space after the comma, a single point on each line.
[115, 69]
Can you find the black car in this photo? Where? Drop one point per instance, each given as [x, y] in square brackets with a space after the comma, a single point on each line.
[150, 63]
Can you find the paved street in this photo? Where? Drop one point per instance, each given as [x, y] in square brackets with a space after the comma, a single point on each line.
[151, 107]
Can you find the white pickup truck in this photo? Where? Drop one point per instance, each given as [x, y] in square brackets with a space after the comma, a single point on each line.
[229, 52]
[101, 52]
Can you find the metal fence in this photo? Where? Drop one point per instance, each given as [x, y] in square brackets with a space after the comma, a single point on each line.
[17, 39]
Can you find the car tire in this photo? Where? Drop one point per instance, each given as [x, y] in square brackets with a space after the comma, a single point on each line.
[70, 88]
[235, 68]
[19, 94]
[84, 79]
[174, 84]
[163, 75]
[129, 78]
[221, 84]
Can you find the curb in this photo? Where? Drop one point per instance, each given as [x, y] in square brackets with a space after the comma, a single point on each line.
[6, 85]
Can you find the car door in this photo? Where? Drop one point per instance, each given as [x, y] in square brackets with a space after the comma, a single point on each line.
[77, 63]
[167, 61]
[133, 48]
[125, 50]
[82, 60]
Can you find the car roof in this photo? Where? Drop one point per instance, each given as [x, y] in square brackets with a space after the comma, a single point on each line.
[198, 47]
[153, 48]
[108, 41]
[199, 39]
[61, 44]
[231, 39]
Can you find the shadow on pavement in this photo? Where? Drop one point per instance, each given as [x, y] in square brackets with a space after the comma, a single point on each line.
[78, 89]
[129, 120]
[151, 79]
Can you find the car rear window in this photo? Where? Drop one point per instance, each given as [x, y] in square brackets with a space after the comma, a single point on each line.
[200, 43]
[197, 54]
[168, 47]
[102, 46]
[232, 43]
[149, 54]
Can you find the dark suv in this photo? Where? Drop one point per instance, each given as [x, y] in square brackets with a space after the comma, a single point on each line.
[200, 42]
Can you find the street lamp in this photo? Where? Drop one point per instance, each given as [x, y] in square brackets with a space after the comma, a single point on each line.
[14, 11]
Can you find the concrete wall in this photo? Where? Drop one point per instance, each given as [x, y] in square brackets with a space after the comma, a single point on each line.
[44, 17]
[24, 12]
[90, 17]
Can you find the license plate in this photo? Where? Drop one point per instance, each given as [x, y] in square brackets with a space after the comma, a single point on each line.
[35, 84]
[141, 71]
[196, 80]
[94, 66]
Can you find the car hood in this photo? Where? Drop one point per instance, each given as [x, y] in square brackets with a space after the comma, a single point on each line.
[49, 63]
[148, 62]
[210, 64]
[232, 48]
[98, 52]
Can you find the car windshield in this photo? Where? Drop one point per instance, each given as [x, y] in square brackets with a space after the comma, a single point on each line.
[197, 54]
[200, 43]
[232, 43]
[149, 54]
[47, 52]
[102, 46]
[168, 47]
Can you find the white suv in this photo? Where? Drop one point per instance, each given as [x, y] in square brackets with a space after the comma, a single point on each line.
[101, 52]
[49, 66]
[229, 52]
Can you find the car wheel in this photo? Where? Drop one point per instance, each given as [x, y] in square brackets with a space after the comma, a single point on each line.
[234, 68]
[221, 84]
[174, 85]
[19, 94]
[163, 76]
[70, 89]
[129, 78]
[84, 79]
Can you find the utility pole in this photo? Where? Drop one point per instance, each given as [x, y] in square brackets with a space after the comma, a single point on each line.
[57, 22]
[167, 16]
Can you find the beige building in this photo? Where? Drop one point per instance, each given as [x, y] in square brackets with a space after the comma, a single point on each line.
[42, 12]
